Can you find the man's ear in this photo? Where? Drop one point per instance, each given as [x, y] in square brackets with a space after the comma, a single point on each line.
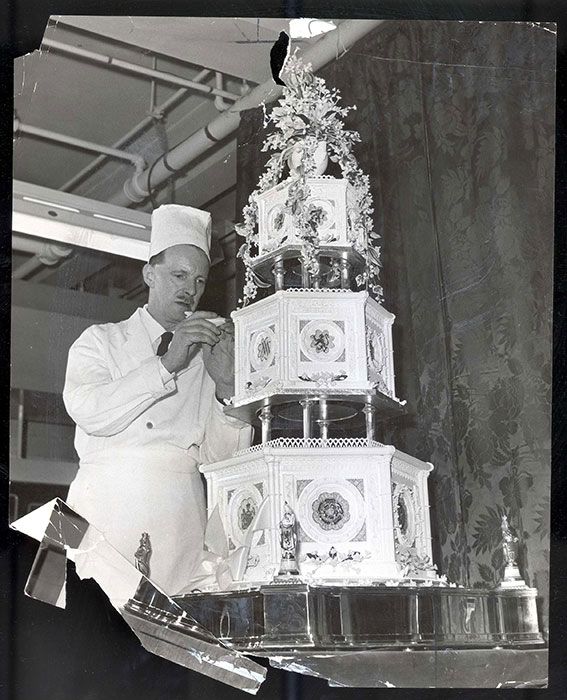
[148, 273]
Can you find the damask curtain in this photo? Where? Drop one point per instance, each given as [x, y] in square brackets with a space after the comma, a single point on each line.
[457, 128]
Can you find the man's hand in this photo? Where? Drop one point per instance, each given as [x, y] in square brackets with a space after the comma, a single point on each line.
[189, 336]
[219, 361]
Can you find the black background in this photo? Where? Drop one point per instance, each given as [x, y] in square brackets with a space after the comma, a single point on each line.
[87, 652]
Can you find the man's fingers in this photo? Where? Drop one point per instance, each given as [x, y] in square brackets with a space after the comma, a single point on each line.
[201, 314]
[198, 334]
[197, 326]
[204, 338]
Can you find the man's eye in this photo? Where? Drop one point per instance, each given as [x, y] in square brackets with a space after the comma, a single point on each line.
[179, 275]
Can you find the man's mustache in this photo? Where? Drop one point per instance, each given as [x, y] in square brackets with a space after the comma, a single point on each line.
[185, 298]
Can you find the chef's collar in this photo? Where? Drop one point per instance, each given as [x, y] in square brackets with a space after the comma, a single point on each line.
[154, 328]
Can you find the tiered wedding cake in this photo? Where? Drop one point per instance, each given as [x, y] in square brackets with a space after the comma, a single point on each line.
[315, 359]
[319, 537]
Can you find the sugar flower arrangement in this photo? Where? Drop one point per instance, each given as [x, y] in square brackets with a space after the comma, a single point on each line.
[306, 118]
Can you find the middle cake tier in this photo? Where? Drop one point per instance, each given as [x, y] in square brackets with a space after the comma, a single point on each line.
[311, 342]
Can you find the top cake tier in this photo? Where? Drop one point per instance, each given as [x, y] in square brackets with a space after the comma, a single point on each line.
[297, 212]
[329, 206]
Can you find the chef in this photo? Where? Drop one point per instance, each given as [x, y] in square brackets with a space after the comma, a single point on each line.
[147, 396]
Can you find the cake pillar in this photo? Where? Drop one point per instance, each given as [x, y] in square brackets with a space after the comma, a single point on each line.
[369, 411]
[317, 281]
[344, 268]
[266, 420]
[323, 418]
[304, 276]
[278, 272]
[307, 405]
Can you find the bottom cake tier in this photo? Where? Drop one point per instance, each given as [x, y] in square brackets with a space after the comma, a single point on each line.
[359, 512]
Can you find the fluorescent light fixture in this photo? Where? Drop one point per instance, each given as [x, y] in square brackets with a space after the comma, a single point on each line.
[119, 221]
[50, 204]
[79, 235]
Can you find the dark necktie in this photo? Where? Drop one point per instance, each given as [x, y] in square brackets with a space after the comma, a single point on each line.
[164, 343]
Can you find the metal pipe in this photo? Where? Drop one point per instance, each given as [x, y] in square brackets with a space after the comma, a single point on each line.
[153, 87]
[158, 113]
[27, 268]
[220, 104]
[135, 68]
[136, 160]
[27, 245]
[46, 254]
[330, 46]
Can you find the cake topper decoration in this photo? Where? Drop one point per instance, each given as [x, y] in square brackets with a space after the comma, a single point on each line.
[308, 132]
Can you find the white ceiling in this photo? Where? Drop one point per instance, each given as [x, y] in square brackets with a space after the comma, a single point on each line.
[235, 46]
[98, 103]
[77, 97]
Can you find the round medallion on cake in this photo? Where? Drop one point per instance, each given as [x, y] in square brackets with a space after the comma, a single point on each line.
[262, 348]
[322, 341]
[242, 509]
[331, 511]
[405, 515]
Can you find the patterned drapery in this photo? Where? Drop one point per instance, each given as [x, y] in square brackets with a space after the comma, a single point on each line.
[457, 127]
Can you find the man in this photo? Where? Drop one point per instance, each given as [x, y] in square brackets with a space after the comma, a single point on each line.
[146, 396]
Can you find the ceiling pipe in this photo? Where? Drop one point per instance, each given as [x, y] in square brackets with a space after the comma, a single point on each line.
[137, 161]
[136, 69]
[158, 113]
[26, 245]
[220, 104]
[332, 45]
[153, 86]
[45, 254]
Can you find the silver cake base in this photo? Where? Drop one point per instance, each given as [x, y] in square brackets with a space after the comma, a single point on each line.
[287, 616]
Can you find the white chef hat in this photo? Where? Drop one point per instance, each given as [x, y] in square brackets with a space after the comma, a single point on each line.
[173, 224]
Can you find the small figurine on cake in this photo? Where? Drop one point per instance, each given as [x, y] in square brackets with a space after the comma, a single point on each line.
[512, 577]
[288, 543]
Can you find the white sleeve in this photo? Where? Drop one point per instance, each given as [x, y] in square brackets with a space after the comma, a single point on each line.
[224, 435]
[99, 404]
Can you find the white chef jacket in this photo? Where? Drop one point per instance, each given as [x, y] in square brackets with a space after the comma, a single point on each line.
[141, 434]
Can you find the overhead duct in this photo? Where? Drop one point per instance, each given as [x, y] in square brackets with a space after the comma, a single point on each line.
[136, 160]
[136, 69]
[23, 244]
[45, 254]
[330, 46]
[157, 113]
